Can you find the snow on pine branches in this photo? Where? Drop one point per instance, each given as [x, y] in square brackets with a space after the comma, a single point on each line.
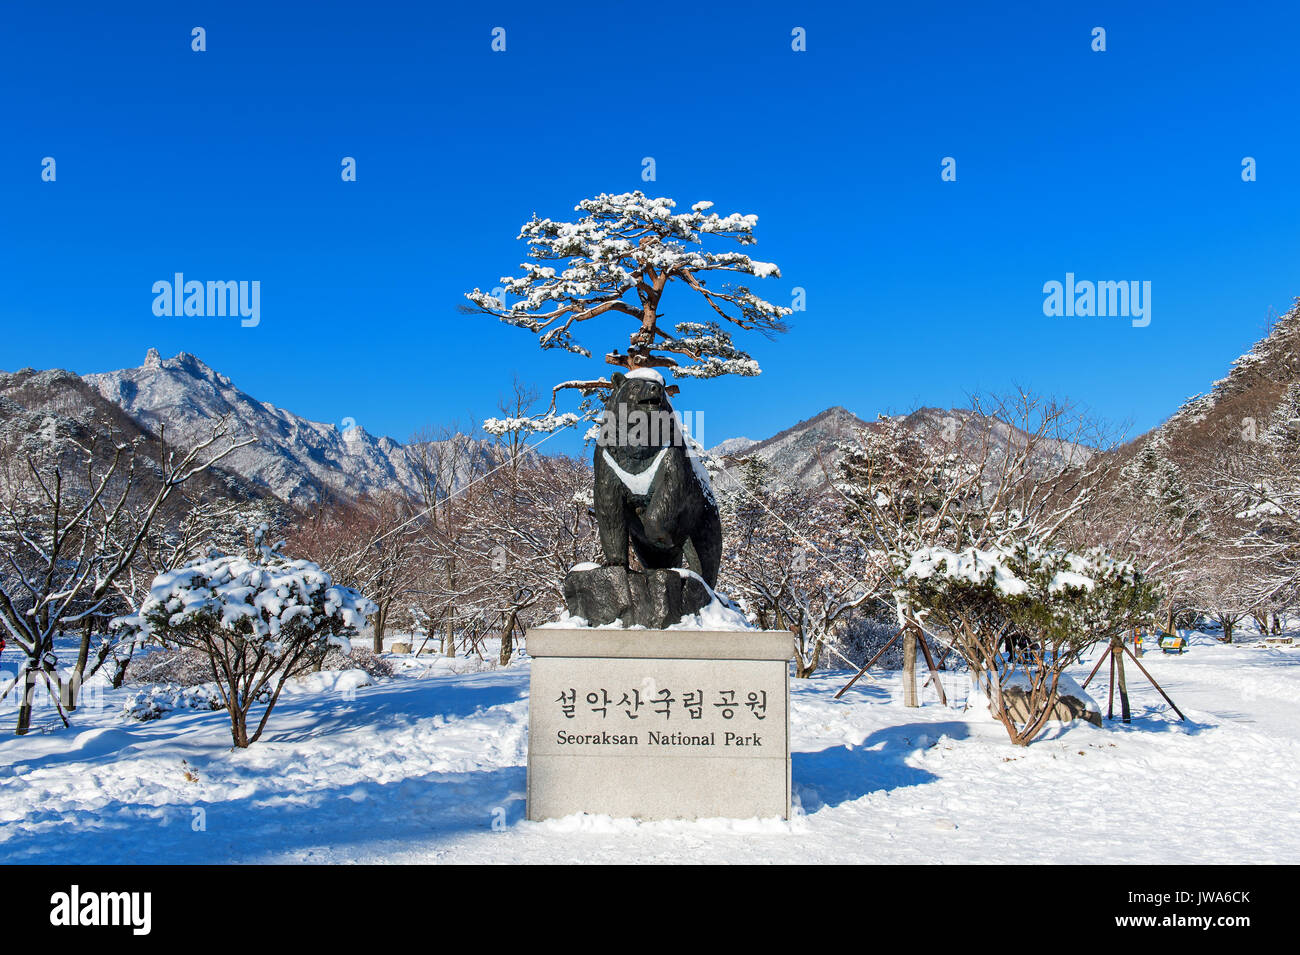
[1021, 614]
[542, 424]
[268, 603]
[1088, 594]
[256, 618]
[620, 257]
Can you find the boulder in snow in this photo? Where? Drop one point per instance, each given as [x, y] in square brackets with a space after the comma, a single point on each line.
[1072, 702]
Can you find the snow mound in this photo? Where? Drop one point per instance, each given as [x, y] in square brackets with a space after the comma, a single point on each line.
[327, 681]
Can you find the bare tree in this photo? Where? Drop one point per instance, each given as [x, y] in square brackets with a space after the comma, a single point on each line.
[70, 535]
[535, 522]
[448, 465]
[371, 545]
[790, 559]
[1153, 509]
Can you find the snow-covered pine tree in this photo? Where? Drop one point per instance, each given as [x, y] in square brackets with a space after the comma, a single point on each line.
[1058, 603]
[620, 257]
[256, 618]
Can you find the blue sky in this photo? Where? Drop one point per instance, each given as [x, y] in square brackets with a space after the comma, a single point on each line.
[225, 165]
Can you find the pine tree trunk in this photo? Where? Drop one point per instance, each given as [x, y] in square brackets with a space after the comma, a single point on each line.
[238, 725]
[78, 672]
[25, 705]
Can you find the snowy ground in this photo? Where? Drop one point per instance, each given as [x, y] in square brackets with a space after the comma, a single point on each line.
[429, 767]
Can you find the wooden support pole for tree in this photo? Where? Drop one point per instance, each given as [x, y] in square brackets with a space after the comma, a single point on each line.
[1110, 653]
[1110, 696]
[1155, 684]
[1100, 660]
[934, 670]
[861, 673]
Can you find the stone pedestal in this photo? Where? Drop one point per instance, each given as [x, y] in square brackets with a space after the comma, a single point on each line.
[659, 724]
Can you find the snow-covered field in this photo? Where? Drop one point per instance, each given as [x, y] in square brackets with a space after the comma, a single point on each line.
[429, 767]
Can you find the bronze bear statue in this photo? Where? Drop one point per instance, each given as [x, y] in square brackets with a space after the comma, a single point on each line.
[650, 488]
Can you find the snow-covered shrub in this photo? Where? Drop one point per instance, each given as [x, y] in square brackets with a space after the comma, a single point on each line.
[255, 618]
[1023, 614]
[360, 658]
[154, 702]
[157, 701]
[179, 666]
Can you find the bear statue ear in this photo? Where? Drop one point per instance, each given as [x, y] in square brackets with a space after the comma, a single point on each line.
[617, 378]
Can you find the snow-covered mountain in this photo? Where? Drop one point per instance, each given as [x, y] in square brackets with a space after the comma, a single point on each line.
[732, 446]
[302, 462]
[974, 427]
[56, 410]
[1237, 405]
[796, 455]
[804, 454]
[298, 461]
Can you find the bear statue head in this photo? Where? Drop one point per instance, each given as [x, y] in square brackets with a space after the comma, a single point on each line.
[638, 416]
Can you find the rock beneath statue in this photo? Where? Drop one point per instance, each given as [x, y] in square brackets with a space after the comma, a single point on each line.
[654, 599]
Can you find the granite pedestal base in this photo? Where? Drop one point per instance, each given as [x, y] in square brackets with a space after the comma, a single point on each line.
[659, 724]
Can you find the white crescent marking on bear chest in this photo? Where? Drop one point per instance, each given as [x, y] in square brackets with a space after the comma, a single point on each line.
[638, 483]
